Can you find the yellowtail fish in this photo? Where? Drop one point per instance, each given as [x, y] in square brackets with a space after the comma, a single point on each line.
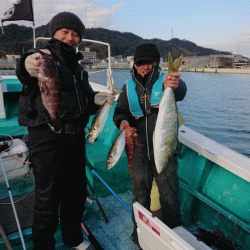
[99, 122]
[116, 150]
[165, 136]
[100, 119]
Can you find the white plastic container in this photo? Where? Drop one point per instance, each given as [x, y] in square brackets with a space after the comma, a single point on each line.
[154, 234]
[14, 161]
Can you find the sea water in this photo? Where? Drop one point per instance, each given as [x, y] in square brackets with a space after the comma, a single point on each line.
[216, 105]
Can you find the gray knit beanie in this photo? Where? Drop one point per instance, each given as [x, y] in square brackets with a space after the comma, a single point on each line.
[66, 20]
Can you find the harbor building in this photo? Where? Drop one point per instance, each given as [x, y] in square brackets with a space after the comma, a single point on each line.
[90, 55]
[221, 61]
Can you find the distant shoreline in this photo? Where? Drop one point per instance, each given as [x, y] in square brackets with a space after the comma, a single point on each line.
[7, 67]
[191, 69]
[216, 70]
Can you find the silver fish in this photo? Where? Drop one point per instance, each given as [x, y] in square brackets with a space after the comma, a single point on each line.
[99, 122]
[116, 150]
[165, 136]
[166, 130]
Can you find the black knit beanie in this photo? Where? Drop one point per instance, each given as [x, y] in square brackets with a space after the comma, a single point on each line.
[147, 52]
[66, 20]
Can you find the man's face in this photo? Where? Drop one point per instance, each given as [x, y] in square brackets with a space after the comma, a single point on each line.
[68, 36]
[144, 68]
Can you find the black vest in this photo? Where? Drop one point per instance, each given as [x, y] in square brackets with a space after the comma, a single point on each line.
[78, 96]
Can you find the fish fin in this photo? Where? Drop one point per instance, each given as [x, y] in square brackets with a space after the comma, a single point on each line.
[170, 63]
[181, 120]
[113, 88]
[115, 91]
[177, 63]
[45, 51]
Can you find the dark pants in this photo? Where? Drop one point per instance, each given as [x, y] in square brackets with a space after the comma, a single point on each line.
[143, 171]
[60, 180]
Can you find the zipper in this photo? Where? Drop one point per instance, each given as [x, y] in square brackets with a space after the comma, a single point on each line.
[77, 95]
[145, 92]
[148, 81]
[147, 137]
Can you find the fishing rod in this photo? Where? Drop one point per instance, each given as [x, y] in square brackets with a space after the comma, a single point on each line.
[6, 241]
[20, 130]
[91, 237]
[109, 188]
[97, 201]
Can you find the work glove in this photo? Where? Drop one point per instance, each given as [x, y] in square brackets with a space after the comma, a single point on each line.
[101, 97]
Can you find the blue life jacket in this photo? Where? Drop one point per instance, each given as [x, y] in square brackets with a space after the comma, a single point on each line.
[133, 98]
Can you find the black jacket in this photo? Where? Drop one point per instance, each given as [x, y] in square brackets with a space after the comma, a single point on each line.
[146, 124]
[78, 96]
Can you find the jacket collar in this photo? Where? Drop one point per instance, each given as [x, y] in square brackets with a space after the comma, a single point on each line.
[64, 52]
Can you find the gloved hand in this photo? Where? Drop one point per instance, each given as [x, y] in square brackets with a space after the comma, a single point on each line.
[32, 64]
[101, 97]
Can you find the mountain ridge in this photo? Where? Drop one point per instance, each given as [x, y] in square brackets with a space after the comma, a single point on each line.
[19, 39]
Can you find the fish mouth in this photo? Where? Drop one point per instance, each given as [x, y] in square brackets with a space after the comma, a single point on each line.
[91, 140]
[109, 163]
[109, 166]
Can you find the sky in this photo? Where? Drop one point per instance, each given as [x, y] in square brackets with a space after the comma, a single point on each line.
[221, 25]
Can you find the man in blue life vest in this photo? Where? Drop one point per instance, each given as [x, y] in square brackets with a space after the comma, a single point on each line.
[137, 107]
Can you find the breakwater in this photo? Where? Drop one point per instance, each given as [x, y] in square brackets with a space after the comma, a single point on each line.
[8, 66]
[127, 67]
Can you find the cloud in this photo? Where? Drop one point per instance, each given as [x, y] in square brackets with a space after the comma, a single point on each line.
[92, 15]
[101, 17]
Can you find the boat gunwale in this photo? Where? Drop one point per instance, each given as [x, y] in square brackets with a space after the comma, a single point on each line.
[222, 155]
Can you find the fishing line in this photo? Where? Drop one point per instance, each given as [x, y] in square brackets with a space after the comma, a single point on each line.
[25, 162]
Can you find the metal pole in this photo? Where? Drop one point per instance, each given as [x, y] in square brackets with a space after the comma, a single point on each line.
[34, 35]
[13, 205]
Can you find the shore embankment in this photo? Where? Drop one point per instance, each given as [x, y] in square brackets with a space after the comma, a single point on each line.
[7, 67]
[217, 70]
[185, 69]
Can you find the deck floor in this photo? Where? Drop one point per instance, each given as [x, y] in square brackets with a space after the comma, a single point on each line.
[116, 233]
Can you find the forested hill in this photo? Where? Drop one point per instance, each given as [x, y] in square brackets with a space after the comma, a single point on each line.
[18, 39]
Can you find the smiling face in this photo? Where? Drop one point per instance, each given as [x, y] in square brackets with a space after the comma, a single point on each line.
[68, 36]
[144, 68]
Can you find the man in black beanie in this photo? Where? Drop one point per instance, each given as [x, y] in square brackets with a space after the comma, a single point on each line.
[58, 156]
[135, 108]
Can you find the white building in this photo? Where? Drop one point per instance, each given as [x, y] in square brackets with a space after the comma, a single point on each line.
[91, 55]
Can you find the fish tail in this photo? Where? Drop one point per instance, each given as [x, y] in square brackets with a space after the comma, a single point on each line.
[170, 63]
[177, 63]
